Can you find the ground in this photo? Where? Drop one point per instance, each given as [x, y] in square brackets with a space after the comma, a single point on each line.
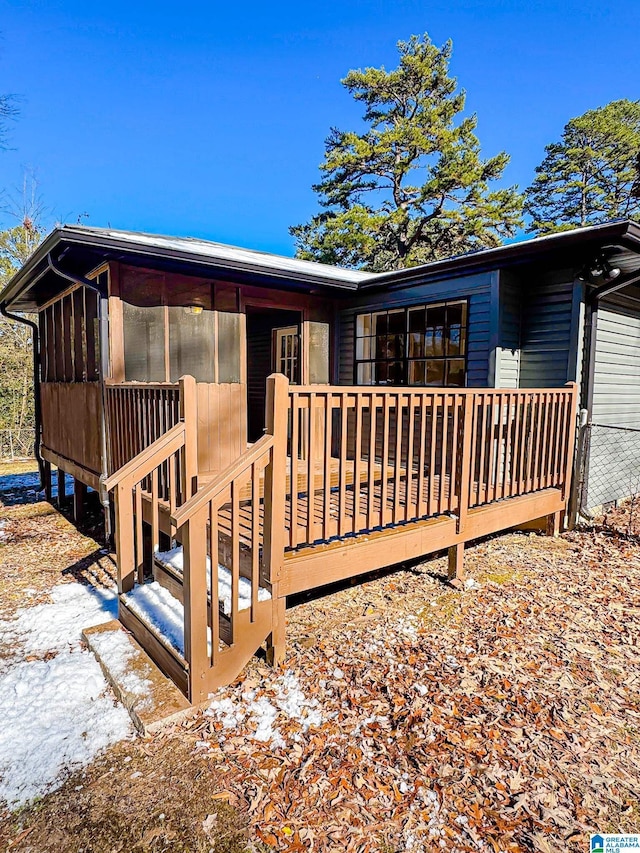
[407, 717]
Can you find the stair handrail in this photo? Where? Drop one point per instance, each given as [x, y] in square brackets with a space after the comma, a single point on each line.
[142, 465]
[222, 481]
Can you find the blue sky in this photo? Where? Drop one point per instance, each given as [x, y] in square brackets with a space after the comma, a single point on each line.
[208, 119]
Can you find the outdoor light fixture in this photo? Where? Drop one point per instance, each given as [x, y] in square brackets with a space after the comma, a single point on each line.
[599, 271]
[194, 309]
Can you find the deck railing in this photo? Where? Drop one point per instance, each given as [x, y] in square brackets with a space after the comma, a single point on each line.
[361, 459]
[234, 525]
[161, 477]
[137, 414]
[334, 463]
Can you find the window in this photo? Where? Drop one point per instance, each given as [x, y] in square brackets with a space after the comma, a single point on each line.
[421, 345]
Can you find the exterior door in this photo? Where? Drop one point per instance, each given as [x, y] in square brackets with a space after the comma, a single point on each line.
[286, 353]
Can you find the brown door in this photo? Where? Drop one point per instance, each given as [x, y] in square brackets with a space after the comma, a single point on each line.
[273, 344]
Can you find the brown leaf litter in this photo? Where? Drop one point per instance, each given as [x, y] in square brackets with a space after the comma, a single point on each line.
[407, 717]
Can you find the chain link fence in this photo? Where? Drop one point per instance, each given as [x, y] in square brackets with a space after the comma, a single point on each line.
[16, 444]
[610, 475]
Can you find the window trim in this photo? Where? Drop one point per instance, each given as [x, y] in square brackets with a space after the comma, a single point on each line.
[406, 359]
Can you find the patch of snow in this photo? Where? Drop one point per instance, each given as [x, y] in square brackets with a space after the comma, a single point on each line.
[57, 712]
[114, 647]
[471, 583]
[260, 715]
[159, 609]
[174, 559]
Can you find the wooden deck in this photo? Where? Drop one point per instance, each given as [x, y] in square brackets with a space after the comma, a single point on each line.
[344, 481]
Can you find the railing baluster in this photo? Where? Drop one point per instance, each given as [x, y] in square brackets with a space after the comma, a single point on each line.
[342, 524]
[311, 470]
[553, 443]
[293, 467]
[371, 468]
[255, 539]
[491, 437]
[506, 473]
[357, 465]
[397, 461]
[214, 608]
[454, 492]
[155, 521]
[432, 454]
[420, 500]
[326, 494]
[235, 557]
[408, 513]
[444, 452]
[385, 458]
[139, 537]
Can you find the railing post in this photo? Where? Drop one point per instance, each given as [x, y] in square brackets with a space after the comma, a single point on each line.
[189, 415]
[275, 481]
[464, 486]
[193, 535]
[571, 439]
[125, 554]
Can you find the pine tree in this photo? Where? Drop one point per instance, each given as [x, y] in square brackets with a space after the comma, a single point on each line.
[412, 187]
[591, 175]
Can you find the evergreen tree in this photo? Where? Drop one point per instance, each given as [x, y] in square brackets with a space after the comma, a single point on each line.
[591, 175]
[412, 187]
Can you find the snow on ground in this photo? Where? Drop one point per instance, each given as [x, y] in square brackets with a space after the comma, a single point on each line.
[56, 709]
[258, 714]
[174, 559]
[25, 488]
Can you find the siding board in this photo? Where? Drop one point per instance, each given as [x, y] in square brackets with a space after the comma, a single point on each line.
[547, 329]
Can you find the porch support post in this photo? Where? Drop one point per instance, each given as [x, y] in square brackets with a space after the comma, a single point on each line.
[125, 553]
[189, 415]
[277, 419]
[193, 535]
[456, 573]
[79, 497]
[48, 491]
[61, 487]
[554, 523]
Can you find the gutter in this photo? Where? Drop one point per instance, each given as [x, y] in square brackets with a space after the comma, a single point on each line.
[37, 409]
[593, 303]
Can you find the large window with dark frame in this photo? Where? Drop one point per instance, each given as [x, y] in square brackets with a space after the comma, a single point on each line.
[419, 345]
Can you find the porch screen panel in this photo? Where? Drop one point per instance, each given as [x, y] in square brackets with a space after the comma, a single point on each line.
[319, 353]
[143, 343]
[229, 343]
[191, 344]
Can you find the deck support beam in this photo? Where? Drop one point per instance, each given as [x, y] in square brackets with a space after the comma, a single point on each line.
[62, 494]
[46, 473]
[277, 639]
[455, 569]
[79, 498]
